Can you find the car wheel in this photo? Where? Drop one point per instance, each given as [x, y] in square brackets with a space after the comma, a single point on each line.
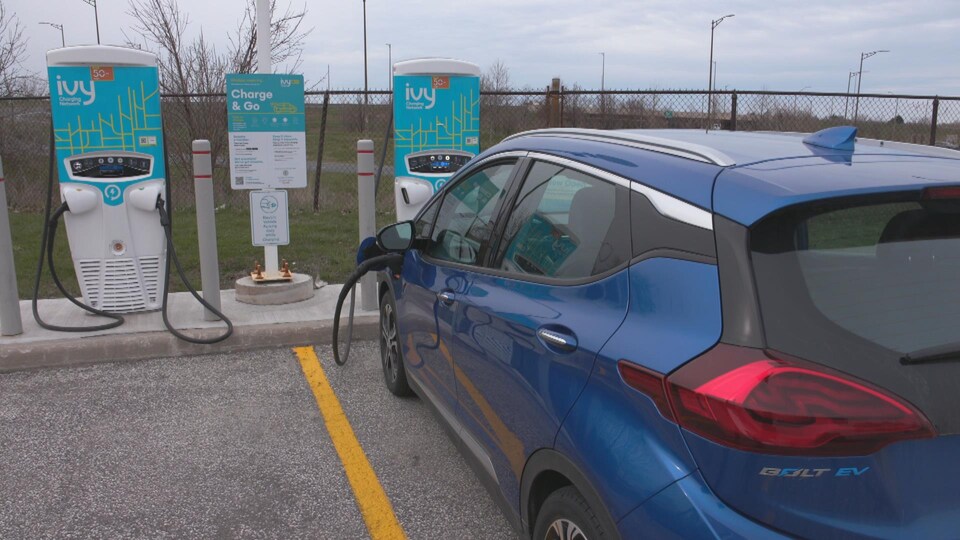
[566, 515]
[394, 374]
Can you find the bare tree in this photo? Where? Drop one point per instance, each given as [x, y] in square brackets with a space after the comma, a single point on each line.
[196, 66]
[185, 67]
[496, 78]
[194, 71]
[14, 78]
[188, 69]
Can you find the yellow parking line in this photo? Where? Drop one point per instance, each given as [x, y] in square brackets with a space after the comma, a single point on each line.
[377, 512]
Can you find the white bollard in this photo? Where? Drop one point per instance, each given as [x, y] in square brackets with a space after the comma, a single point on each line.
[206, 227]
[367, 209]
[10, 322]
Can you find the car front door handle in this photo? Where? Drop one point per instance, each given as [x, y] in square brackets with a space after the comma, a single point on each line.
[446, 297]
[557, 340]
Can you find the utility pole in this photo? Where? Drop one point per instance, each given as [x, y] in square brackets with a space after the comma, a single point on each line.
[846, 102]
[63, 41]
[603, 98]
[856, 106]
[96, 16]
[795, 96]
[713, 26]
[390, 67]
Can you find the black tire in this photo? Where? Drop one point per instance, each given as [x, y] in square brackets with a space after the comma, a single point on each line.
[391, 357]
[566, 515]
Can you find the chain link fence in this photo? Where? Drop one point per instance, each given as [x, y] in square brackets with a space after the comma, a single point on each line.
[337, 119]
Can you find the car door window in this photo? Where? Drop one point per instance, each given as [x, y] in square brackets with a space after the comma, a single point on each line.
[567, 225]
[422, 225]
[465, 219]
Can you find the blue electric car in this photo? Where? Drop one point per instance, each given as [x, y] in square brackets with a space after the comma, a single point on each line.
[688, 334]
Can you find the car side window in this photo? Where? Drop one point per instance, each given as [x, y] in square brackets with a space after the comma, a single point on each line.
[566, 225]
[422, 226]
[465, 218]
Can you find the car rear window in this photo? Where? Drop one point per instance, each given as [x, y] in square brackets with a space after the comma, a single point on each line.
[884, 269]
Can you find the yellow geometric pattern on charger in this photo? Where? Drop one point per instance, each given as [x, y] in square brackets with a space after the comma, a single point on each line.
[113, 133]
[448, 132]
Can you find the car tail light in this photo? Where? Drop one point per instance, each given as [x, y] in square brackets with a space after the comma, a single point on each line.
[948, 192]
[648, 382]
[766, 402]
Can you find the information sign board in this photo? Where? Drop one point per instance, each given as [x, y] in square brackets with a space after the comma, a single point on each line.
[266, 125]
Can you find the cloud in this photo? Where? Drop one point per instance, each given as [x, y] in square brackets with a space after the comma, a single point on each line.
[784, 45]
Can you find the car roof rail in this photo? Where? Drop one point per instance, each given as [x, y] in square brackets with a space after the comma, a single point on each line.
[688, 150]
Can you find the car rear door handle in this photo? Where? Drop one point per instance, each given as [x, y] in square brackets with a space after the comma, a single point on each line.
[557, 340]
[446, 297]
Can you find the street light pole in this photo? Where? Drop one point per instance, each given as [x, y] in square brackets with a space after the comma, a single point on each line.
[603, 69]
[63, 41]
[795, 96]
[713, 26]
[856, 106]
[96, 16]
[390, 67]
[846, 101]
[603, 98]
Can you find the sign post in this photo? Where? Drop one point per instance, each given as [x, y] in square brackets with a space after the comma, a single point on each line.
[267, 133]
[266, 124]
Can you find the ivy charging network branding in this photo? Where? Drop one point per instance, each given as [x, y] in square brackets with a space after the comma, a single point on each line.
[109, 150]
[436, 126]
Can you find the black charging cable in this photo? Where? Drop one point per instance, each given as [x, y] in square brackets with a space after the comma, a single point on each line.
[50, 223]
[350, 287]
[172, 255]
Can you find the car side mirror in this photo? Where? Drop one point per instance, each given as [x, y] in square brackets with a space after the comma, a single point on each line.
[396, 237]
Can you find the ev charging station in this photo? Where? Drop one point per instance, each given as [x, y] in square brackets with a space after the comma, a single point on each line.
[108, 139]
[436, 111]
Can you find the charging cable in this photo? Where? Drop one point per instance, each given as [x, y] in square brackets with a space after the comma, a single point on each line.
[350, 287]
[172, 255]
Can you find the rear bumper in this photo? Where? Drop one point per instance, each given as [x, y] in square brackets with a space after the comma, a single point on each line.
[688, 509]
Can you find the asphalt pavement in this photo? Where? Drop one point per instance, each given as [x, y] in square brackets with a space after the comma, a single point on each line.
[226, 445]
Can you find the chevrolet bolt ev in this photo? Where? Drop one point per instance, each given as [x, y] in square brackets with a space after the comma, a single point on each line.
[688, 334]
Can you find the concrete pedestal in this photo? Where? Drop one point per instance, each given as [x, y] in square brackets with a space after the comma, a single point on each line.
[281, 292]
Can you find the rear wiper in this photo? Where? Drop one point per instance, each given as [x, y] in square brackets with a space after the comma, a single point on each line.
[939, 353]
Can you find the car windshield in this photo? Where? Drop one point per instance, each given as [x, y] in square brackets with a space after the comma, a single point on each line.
[884, 269]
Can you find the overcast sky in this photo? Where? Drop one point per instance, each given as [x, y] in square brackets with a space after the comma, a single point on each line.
[774, 45]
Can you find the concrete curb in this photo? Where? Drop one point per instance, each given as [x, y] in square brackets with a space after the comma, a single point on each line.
[147, 345]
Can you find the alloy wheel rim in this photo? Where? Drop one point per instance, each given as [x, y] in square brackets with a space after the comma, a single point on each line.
[564, 529]
[389, 347]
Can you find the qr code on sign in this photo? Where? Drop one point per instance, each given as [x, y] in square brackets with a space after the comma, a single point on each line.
[238, 180]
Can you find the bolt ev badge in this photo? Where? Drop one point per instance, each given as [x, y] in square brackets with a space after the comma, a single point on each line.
[812, 473]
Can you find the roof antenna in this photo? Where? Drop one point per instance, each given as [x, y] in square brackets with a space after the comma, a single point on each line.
[835, 138]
